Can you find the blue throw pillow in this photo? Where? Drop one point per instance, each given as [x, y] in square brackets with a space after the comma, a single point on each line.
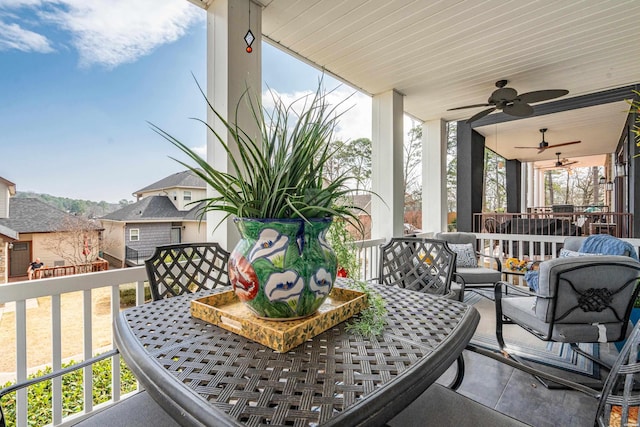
[531, 277]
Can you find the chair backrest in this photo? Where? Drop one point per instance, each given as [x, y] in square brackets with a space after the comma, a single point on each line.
[186, 267]
[457, 237]
[424, 265]
[598, 289]
[573, 243]
[620, 398]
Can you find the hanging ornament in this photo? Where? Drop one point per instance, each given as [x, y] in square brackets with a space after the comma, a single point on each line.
[249, 37]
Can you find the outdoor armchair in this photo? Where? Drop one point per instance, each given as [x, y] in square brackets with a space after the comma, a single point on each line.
[186, 267]
[580, 299]
[474, 267]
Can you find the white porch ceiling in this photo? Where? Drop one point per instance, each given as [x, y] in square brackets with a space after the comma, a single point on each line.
[448, 53]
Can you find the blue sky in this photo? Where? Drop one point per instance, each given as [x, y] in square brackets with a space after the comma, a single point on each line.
[80, 80]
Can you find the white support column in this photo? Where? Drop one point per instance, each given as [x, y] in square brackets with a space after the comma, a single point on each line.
[230, 72]
[529, 187]
[539, 190]
[434, 176]
[387, 215]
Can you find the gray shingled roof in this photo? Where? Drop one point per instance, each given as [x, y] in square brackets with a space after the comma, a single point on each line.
[152, 208]
[28, 215]
[180, 179]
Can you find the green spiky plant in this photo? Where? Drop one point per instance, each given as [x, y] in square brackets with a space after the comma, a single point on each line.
[278, 174]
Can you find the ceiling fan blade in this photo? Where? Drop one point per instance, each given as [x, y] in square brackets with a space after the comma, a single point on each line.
[570, 163]
[503, 94]
[564, 143]
[481, 114]
[542, 95]
[518, 109]
[470, 106]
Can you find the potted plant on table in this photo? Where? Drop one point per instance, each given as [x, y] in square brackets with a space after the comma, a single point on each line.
[283, 266]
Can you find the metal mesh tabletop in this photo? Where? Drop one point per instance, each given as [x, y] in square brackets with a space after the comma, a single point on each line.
[204, 375]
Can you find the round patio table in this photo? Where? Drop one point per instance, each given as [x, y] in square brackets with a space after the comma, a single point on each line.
[204, 375]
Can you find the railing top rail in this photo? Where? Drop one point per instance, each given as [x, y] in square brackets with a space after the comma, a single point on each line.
[18, 291]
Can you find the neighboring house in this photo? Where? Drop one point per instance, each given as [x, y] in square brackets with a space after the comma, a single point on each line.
[162, 214]
[30, 228]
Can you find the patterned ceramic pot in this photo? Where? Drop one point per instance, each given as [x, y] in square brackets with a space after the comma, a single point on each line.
[282, 268]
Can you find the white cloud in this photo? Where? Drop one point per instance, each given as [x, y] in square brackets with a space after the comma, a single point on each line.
[13, 36]
[355, 107]
[201, 150]
[105, 32]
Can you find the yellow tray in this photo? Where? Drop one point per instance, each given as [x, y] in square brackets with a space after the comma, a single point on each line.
[228, 312]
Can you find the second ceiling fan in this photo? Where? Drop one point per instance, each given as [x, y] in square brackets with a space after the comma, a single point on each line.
[561, 163]
[544, 145]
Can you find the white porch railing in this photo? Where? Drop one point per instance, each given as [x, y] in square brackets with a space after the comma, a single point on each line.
[368, 254]
[20, 293]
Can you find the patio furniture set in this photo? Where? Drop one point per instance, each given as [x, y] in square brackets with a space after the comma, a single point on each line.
[195, 373]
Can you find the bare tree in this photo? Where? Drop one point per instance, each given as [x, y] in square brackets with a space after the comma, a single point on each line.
[77, 241]
[353, 157]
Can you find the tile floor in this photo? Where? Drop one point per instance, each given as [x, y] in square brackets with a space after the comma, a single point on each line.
[521, 396]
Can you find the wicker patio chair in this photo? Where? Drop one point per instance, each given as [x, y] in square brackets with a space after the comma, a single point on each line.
[419, 264]
[186, 267]
[470, 263]
[422, 265]
[580, 299]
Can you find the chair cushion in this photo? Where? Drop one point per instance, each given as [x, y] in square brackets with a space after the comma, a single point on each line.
[564, 253]
[479, 275]
[465, 254]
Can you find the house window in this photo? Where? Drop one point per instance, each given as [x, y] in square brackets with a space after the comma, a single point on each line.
[187, 195]
[134, 234]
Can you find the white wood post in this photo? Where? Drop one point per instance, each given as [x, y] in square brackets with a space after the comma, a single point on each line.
[434, 176]
[231, 71]
[387, 215]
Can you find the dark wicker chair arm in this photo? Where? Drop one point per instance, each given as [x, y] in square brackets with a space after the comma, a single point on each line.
[506, 286]
[459, 280]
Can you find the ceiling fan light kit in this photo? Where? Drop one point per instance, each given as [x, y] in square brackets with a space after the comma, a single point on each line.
[508, 101]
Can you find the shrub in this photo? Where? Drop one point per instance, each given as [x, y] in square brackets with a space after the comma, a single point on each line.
[39, 394]
[128, 295]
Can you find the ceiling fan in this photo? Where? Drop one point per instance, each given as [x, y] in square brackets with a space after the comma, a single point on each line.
[545, 145]
[561, 163]
[508, 100]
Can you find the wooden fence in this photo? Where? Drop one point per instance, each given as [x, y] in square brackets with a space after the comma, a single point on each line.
[68, 270]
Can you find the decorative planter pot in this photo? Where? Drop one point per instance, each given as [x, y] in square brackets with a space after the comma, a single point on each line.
[282, 268]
